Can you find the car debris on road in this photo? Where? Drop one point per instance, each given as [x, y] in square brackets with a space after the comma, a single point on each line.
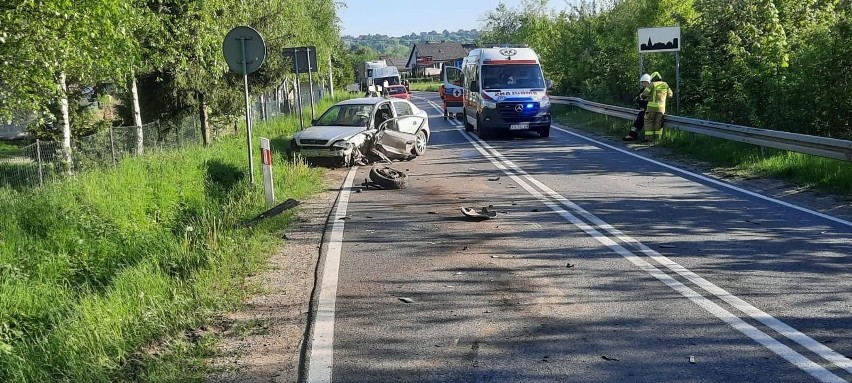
[481, 214]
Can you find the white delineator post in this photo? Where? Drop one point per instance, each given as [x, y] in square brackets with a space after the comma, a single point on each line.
[266, 159]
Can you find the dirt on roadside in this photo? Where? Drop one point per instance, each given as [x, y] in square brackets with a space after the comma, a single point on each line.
[262, 341]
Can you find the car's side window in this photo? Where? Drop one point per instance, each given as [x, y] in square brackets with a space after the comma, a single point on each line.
[402, 108]
[383, 113]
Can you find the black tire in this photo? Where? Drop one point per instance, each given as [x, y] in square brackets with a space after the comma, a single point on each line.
[544, 132]
[388, 177]
[483, 132]
[418, 149]
[468, 127]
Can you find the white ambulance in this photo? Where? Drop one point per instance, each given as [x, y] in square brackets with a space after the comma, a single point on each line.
[504, 90]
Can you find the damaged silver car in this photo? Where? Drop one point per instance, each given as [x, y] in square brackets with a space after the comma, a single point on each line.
[350, 131]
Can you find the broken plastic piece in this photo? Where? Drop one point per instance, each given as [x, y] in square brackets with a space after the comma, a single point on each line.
[482, 213]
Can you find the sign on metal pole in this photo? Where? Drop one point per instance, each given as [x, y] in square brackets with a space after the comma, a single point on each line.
[245, 52]
[304, 58]
[304, 61]
[662, 39]
[266, 160]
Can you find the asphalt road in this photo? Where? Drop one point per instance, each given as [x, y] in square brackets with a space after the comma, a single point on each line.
[601, 266]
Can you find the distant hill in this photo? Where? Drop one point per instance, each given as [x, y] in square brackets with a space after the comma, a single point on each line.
[399, 46]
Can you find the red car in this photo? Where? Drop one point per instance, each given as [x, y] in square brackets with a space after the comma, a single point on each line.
[398, 91]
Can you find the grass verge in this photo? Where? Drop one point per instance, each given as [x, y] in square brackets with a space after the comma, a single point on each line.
[745, 160]
[106, 276]
[9, 149]
[424, 86]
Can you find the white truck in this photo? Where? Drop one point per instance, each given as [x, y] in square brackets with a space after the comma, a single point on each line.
[388, 75]
[376, 72]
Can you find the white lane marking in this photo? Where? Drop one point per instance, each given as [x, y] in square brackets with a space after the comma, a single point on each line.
[431, 103]
[695, 175]
[726, 316]
[782, 328]
[710, 180]
[321, 360]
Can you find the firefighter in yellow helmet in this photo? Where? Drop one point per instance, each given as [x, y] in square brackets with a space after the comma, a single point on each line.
[656, 92]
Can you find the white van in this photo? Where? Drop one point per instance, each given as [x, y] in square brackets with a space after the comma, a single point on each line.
[385, 76]
[504, 91]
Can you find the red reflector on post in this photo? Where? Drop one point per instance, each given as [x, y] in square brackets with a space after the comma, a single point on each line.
[266, 156]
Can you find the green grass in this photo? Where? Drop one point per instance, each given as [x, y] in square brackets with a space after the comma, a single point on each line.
[823, 174]
[9, 149]
[103, 273]
[424, 86]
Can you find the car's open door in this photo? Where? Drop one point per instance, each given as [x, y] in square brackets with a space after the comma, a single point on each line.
[453, 79]
[395, 143]
[452, 91]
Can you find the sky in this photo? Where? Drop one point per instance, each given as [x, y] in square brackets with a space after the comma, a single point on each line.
[401, 17]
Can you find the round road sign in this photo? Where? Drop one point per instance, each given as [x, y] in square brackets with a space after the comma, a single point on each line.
[248, 40]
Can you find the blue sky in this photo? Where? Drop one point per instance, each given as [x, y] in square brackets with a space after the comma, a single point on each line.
[401, 17]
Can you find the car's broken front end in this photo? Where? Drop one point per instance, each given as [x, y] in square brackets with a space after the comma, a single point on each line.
[342, 152]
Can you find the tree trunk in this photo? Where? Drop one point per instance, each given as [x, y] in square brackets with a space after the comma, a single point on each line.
[285, 97]
[66, 121]
[202, 116]
[137, 114]
[330, 77]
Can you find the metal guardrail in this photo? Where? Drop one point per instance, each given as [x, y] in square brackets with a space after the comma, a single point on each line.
[802, 143]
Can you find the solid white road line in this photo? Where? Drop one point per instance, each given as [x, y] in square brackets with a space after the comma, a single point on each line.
[321, 359]
[748, 309]
[710, 180]
[726, 316]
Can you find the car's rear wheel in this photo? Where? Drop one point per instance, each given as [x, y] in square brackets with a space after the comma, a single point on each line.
[419, 143]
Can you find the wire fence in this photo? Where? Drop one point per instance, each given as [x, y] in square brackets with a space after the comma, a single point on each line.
[46, 161]
[281, 104]
[34, 165]
[42, 161]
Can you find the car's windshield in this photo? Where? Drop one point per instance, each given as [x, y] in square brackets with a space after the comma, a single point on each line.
[392, 80]
[514, 76]
[396, 90]
[346, 115]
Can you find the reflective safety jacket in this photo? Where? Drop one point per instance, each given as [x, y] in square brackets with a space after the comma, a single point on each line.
[656, 94]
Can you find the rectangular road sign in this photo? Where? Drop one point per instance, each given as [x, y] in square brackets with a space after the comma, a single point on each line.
[664, 39]
[304, 58]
